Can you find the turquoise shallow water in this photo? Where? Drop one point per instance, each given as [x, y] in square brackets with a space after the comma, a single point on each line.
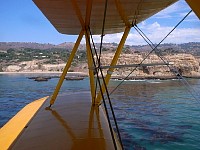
[153, 115]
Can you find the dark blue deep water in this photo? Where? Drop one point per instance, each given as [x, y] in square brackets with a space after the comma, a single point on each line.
[152, 115]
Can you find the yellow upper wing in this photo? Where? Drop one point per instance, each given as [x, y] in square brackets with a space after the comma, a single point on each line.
[70, 16]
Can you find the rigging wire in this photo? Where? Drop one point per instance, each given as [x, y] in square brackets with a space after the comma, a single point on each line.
[137, 11]
[101, 42]
[177, 73]
[150, 51]
[103, 27]
[106, 110]
[97, 69]
[102, 32]
[107, 94]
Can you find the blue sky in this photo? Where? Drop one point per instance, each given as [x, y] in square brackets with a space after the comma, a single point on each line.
[22, 21]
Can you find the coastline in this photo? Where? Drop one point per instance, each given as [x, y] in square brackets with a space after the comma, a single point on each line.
[44, 72]
[84, 74]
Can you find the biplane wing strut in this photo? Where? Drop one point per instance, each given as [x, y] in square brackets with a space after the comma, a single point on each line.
[71, 16]
[194, 5]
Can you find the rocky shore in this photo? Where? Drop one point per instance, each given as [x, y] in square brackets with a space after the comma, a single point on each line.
[184, 64]
[181, 64]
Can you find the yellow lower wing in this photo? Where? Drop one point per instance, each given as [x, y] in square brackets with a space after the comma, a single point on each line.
[12, 129]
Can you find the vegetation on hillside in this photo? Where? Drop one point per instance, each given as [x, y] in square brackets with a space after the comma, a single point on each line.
[49, 56]
[14, 53]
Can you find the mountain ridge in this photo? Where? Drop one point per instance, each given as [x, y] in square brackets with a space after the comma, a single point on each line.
[191, 47]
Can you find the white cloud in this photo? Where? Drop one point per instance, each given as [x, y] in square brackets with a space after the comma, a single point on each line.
[175, 10]
[188, 31]
[184, 35]
[191, 18]
[155, 32]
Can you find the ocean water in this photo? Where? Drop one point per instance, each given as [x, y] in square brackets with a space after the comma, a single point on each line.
[151, 114]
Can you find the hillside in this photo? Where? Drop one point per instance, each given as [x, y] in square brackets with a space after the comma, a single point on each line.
[26, 57]
[4, 46]
[191, 48]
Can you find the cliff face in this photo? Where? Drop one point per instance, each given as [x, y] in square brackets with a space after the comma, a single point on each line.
[186, 64]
